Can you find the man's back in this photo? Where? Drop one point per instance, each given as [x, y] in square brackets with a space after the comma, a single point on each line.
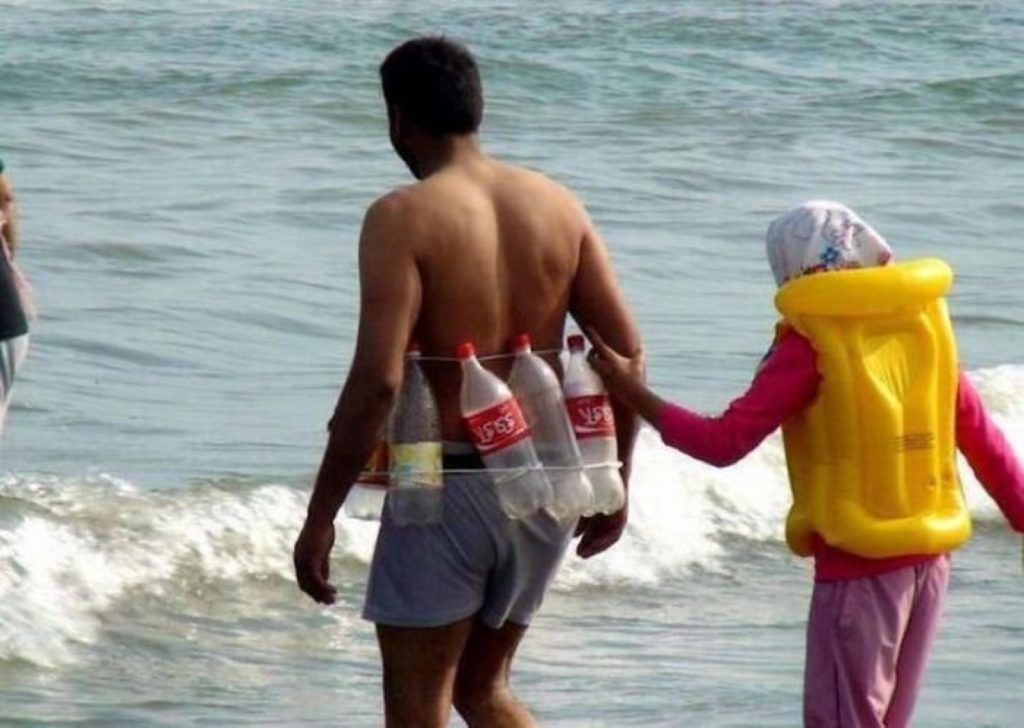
[497, 250]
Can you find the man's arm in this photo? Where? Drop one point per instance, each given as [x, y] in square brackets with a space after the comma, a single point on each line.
[389, 305]
[597, 304]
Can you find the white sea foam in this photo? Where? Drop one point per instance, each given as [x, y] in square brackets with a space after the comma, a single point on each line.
[69, 549]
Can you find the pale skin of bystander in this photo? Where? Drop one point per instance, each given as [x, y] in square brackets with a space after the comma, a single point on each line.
[476, 250]
[8, 214]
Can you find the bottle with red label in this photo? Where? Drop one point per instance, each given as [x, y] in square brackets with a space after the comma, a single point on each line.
[501, 436]
[590, 411]
[539, 393]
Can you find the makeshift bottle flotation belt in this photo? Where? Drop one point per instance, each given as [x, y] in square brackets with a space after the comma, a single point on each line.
[378, 473]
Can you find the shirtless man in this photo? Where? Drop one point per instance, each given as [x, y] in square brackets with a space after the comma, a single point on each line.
[479, 251]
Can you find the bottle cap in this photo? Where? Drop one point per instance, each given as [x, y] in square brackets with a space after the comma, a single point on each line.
[519, 342]
[413, 349]
[465, 350]
[577, 342]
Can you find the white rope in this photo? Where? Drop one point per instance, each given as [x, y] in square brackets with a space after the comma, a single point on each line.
[487, 357]
[473, 471]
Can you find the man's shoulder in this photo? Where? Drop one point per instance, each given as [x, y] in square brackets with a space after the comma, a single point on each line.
[391, 216]
[392, 207]
[424, 201]
[394, 200]
[543, 195]
[529, 177]
[409, 201]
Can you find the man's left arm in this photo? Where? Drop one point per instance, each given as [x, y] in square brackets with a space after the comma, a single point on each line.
[389, 305]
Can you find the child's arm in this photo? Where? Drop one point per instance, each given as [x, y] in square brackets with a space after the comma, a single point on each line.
[785, 384]
[624, 377]
[989, 454]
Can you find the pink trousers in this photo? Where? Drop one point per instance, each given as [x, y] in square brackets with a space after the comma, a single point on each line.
[868, 642]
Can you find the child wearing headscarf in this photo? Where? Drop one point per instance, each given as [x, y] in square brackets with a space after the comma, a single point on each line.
[872, 620]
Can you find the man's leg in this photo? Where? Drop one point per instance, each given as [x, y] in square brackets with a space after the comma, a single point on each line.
[482, 694]
[419, 672]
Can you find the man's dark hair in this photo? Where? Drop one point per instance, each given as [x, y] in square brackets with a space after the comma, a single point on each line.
[434, 82]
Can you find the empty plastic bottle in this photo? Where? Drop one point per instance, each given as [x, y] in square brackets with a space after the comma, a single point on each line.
[539, 393]
[502, 437]
[415, 447]
[365, 500]
[590, 412]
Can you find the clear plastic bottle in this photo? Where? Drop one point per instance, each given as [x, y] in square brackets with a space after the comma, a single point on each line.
[539, 393]
[590, 411]
[415, 447]
[365, 500]
[502, 437]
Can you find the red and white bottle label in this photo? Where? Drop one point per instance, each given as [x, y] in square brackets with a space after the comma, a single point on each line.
[591, 416]
[497, 427]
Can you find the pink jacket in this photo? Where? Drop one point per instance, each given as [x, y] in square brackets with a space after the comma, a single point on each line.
[787, 383]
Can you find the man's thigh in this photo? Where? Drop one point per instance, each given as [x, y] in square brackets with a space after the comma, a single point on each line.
[487, 656]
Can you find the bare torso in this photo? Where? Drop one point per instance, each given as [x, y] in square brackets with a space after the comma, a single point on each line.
[477, 251]
[497, 249]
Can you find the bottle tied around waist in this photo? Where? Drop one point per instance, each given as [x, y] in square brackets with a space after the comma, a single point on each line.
[414, 430]
[499, 431]
[497, 427]
[536, 387]
[591, 416]
[365, 500]
[593, 422]
[545, 447]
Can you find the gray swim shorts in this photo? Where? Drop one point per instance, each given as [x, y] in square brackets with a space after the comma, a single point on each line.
[476, 560]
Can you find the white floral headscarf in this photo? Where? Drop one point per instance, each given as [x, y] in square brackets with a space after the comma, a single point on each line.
[819, 236]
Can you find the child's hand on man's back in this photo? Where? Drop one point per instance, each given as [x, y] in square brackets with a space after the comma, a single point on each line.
[615, 370]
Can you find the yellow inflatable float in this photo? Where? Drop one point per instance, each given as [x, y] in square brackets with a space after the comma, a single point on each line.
[872, 461]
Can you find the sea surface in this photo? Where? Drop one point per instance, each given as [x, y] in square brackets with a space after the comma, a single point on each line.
[192, 178]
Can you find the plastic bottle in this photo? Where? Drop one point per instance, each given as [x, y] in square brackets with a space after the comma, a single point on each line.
[590, 412]
[502, 437]
[539, 393]
[365, 500]
[415, 448]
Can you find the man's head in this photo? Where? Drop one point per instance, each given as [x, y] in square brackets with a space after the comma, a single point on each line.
[432, 90]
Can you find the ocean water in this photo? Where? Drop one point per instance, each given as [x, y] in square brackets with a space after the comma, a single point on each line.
[192, 177]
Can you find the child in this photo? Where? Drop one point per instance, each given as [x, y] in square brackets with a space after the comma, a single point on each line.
[863, 379]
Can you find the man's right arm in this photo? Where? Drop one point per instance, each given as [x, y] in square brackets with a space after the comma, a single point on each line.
[389, 305]
[597, 303]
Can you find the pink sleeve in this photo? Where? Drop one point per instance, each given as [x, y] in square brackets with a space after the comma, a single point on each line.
[989, 454]
[784, 385]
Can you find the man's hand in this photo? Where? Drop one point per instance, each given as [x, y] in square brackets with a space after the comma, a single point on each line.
[600, 532]
[311, 557]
